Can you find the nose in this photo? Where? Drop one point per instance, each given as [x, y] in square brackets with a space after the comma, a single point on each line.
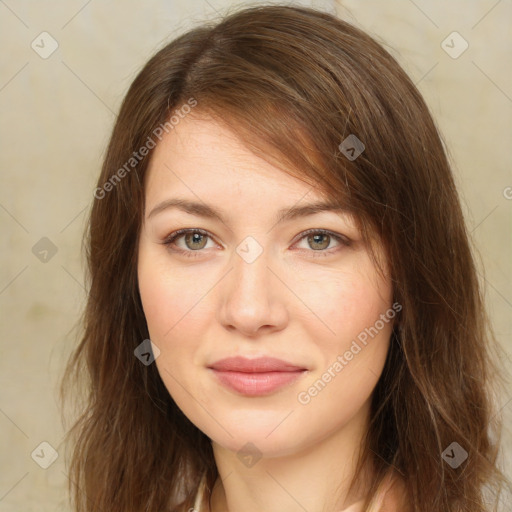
[253, 297]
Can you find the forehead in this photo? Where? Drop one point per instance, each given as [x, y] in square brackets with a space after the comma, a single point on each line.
[202, 154]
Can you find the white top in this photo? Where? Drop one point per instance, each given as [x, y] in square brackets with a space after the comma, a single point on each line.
[375, 504]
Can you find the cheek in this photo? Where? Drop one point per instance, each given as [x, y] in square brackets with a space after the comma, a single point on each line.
[174, 317]
[171, 301]
[178, 314]
[344, 304]
[158, 301]
[352, 354]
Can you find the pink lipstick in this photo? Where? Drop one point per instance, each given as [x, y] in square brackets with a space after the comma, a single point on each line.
[255, 377]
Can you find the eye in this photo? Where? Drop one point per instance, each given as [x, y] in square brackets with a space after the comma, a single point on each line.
[194, 239]
[320, 239]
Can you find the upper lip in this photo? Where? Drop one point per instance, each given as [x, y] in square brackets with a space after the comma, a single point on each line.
[256, 365]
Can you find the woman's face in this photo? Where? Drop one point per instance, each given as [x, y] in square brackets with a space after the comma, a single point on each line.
[248, 281]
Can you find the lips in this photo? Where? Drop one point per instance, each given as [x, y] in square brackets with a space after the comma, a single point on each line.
[254, 377]
[258, 365]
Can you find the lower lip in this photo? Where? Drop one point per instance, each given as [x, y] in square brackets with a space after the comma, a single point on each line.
[256, 384]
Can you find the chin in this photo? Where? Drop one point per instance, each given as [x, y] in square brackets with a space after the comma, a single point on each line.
[257, 446]
[265, 441]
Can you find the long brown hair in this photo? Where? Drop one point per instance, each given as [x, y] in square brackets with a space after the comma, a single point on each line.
[294, 83]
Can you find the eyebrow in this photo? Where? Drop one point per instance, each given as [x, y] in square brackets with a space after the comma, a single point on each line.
[207, 211]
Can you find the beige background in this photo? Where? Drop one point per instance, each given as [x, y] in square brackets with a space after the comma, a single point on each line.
[57, 114]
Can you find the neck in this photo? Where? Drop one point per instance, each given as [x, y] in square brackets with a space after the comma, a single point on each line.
[315, 478]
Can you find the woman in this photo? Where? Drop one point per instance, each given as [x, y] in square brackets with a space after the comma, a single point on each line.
[284, 311]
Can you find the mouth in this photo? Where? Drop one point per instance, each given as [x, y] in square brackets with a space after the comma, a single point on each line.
[256, 377]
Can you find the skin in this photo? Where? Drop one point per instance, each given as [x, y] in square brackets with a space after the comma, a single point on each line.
[295, 302]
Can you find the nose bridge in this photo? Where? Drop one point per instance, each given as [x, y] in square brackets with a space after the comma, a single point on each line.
[251, 271]
[250, 290]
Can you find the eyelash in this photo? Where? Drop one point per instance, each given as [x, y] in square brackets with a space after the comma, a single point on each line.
[169, 240]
